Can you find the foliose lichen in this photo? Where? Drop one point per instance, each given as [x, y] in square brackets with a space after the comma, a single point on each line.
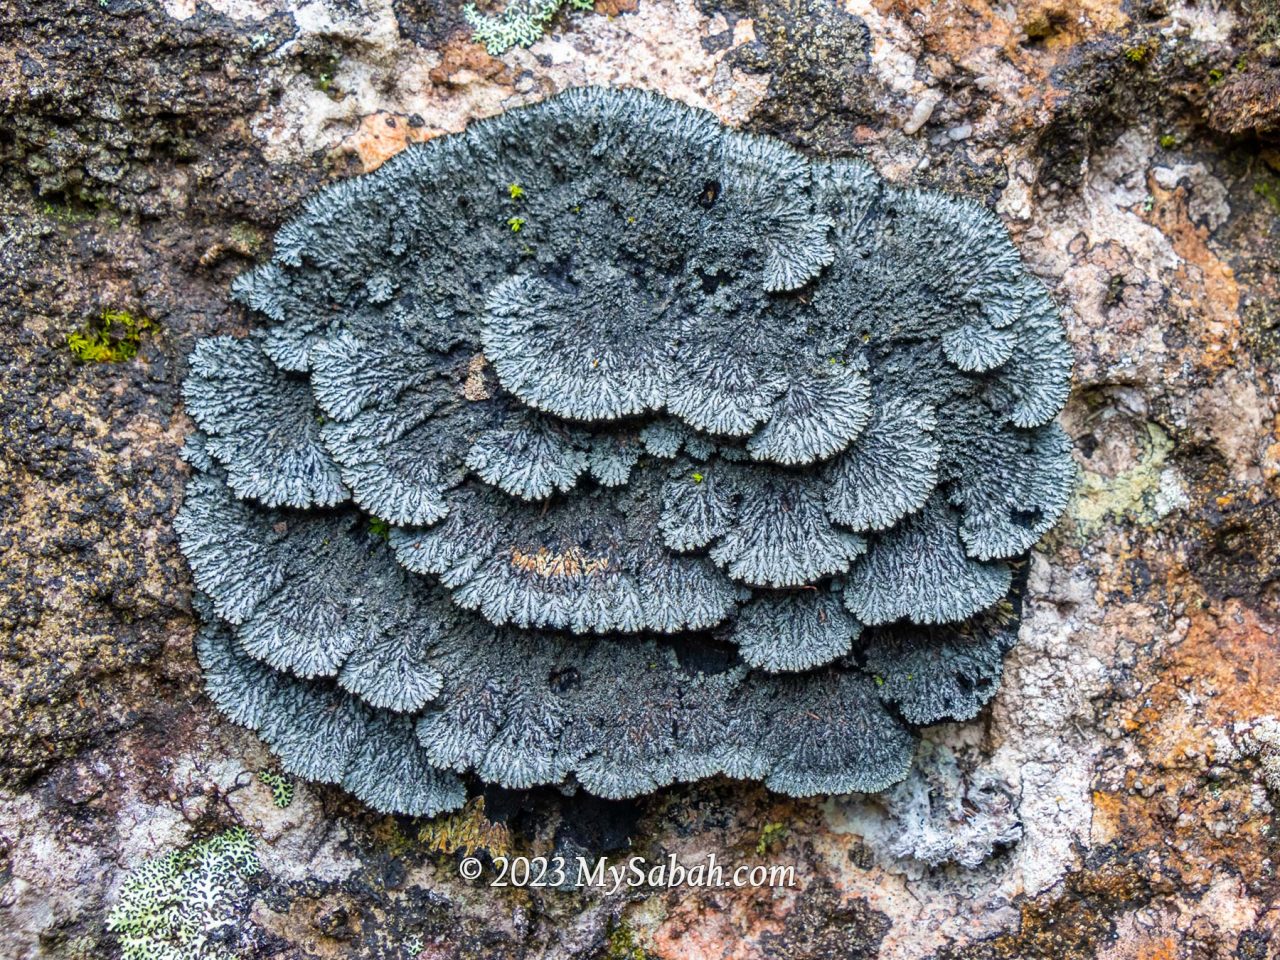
[188, 903]
[723, 463]
[520, 24]
[281, 787]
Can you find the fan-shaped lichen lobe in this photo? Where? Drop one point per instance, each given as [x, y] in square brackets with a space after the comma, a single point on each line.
[628, 385]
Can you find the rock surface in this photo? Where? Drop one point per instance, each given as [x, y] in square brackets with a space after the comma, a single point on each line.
[1117, 800]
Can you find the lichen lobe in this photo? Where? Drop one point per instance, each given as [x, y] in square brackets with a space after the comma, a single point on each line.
[708, 394]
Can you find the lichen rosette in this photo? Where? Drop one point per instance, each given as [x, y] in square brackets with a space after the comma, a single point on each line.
[602, 444]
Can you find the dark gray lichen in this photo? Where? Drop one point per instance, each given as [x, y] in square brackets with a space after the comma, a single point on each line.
[719, 464]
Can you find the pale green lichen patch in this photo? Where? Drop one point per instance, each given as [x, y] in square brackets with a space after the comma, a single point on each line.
[1144, 493]
[186, 904]
[281, 787]
[520, 24]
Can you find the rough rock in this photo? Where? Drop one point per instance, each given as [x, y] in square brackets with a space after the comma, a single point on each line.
[148, 148]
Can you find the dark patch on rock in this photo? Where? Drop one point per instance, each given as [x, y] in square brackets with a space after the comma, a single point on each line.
[1074, 925]
[1236, 536]
[429, 22]
[1248, 102]
[825, 927]
[817, 57]
[125, 159]
[958, 173]
[1114, 82]
[125, 107]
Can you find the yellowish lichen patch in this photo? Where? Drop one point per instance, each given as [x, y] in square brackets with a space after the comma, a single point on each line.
[1143, 493]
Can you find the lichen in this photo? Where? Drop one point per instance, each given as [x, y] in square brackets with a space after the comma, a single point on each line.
[622, 944]
[113, 337]
[1145, 492]
[520, 24]
[281, 787]
[727, 469]
[188, 904]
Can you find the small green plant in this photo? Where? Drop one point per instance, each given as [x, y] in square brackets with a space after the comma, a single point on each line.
[1168, 141]
[115, 336]
[516, 191]
[281, 788]
[697, 477]
[520, 24]
[516, 223]
[380, 528]
[1216, 76]
[771, 834]
[1137, 54]
[185, 904]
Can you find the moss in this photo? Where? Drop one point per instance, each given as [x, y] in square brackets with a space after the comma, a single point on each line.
[1137, 54]
[68, 214]
[1168, 141]
[114, 337]
[1216, 76]
[516, 223]
[380, 528]
[515, 191]
[322, 68]
[1268, 188]
[388, 835]
[466, 831]
[771, 834]
[281, 788]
